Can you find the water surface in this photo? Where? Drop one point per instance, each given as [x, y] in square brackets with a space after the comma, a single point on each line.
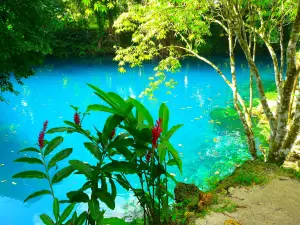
[204, 149]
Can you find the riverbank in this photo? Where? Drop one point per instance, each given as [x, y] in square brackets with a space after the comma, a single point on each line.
[256, 193]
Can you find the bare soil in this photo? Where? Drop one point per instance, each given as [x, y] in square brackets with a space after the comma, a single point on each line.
[275, 203]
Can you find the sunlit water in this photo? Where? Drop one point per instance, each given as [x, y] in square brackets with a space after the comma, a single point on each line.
[205, 150]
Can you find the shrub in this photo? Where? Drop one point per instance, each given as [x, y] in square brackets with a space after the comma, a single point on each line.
[145, 146]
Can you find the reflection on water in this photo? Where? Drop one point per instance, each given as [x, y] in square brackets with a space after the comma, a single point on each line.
[204, 148]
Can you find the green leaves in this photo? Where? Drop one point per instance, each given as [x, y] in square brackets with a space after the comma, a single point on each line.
[162, 153]
[59, 156]
[62, 174]
[164, 115]
[94, 208]
[52, 145]
[30, 150]
[81, 218]
[120, 166]
[60, 129]
[93, 149]
[174, 154]
[104, 96]
[47, 220]
[38, 193]
[66, 213]
[143, 110]
[107, 198]
[78, 196]
[82, 167]
[111, 123]
[113, 221]
[103, 108]
[56, 208]
[29, 160]
[31, 174]
[172, 131]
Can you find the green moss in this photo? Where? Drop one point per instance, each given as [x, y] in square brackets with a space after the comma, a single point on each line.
[272, 95]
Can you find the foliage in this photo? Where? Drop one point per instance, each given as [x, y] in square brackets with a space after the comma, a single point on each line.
[161, 28]
[147, 154]
[25, 38]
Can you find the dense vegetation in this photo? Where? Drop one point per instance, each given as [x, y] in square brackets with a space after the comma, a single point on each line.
[136, 32]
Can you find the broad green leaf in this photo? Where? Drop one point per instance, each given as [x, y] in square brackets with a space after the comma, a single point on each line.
[104, 96]
[122, 182]
[121, 143]
[82, 167]
[162, 153]
[171, 177]
[31, 174]
[103, 184]
[86, 186]
[67, 212]
[29, 160]
[56, 208]
[125, 152]
[144, 111]
[120, 166]
[122, 136]
[164, 115]
[113, 188]
[113, 221]
[121, 147]
[170, 133]
[107, 198]
[171, 162]
[117, 99]
[62, 174]
[72, 124]
[140, 152]
[60, 129]
[94, 208]
[111, 123]
[38, 193]
[59, 156]
[78, 196]
[93, 149]
[30, 150]
[175, 155]
[53, 144]
[103, 108]
[74, 217]
[81, 218]
[46, 219]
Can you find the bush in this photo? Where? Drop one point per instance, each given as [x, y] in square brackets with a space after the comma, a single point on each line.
[144, 145]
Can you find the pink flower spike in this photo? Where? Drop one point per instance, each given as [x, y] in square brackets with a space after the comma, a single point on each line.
[42, 135]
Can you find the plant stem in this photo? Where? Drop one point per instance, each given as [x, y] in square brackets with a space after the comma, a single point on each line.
[48, 177]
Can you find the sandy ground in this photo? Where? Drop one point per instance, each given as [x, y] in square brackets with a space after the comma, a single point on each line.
[276, 203]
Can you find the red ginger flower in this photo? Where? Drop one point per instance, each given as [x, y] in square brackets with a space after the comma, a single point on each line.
[112, 134]
[42, 135]
[76, 118]
[156, 131]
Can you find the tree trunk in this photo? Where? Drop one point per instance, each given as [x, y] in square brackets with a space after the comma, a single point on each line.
[284, 104]
[244, 116]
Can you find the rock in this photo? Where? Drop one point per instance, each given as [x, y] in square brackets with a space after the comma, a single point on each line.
[187, 192]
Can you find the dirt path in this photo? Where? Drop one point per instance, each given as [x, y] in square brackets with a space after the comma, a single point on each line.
[276, 203]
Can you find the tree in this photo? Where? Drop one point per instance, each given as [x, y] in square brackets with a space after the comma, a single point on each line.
[177, 29]
[26, 28]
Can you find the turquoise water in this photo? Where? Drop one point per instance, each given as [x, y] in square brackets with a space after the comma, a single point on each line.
[205, 150]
